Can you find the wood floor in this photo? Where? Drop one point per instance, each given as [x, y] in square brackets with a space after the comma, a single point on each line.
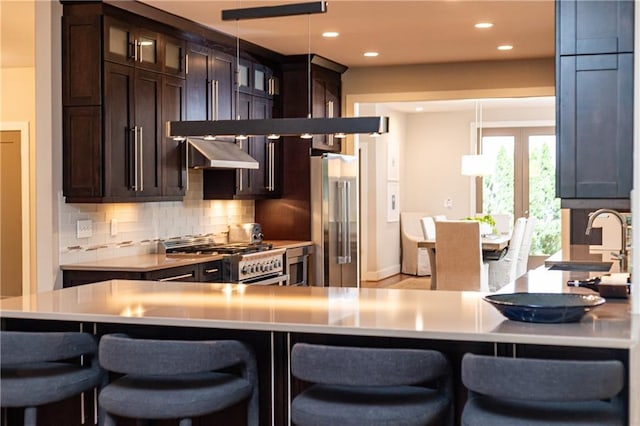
[385, 282]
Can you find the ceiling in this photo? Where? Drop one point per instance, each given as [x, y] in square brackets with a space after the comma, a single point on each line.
[403, 32]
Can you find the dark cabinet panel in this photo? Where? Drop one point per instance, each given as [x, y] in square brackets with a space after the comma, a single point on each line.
[211, 272]
[120, 158]
[83, 172]
[594, 27]
[173, 152]
[148, 107]
[595, 128]
[210, 84]
[81, 60]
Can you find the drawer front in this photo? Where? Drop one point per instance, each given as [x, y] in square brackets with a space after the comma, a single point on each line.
[211, 272]
[182, 273]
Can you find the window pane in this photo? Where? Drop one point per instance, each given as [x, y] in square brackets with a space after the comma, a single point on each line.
[543, 205]
[497, 189]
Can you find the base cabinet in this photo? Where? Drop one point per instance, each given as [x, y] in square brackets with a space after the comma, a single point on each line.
[210, 272]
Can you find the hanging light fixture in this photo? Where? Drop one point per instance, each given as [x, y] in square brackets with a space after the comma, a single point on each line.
[302, 127]
[477, 164]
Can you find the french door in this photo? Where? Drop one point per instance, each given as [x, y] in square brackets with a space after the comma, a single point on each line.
[523, 183]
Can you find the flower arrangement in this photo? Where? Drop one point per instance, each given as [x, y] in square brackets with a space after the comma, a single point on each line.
[488, 221]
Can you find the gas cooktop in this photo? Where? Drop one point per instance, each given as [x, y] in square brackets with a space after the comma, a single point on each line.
[208, 246]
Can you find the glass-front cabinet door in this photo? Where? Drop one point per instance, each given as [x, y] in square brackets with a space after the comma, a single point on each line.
[174, 57]
[129, 45]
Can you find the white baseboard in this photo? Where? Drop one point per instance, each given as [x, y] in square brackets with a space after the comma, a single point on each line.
[381, 274]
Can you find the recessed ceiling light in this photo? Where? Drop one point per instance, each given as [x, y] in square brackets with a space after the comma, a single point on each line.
[330, 34]
[419, 109]
[505, 47]
[371, 54]
[483, 25]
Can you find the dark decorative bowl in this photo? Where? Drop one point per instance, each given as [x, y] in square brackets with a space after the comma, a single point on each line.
[544, 307]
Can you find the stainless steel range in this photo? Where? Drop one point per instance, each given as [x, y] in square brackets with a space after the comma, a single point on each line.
[257, 264]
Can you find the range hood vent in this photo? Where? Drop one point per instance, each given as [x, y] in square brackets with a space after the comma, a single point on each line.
[207, 154]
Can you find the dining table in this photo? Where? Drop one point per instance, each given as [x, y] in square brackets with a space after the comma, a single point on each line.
[492, 243]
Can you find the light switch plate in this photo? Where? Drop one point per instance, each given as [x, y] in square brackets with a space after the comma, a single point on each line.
[84, 228]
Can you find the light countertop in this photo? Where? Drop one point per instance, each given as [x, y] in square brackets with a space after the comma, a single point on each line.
[154, 262]
[462, 316]
[140, 263]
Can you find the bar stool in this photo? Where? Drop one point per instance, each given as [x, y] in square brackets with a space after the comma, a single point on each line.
[370, 386]
[39, 368]
[175, 379]
[524, 391]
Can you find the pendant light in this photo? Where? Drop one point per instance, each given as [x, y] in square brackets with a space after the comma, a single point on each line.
[477, 164]
[302, 127]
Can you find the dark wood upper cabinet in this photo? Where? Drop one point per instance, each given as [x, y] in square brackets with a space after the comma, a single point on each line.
[115, 102]
[595, 126]
[317, 94]
[594, 103]
[210, 84]
[594, 27]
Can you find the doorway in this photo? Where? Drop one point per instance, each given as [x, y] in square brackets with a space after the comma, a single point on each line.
[14, 211]
[523, 183]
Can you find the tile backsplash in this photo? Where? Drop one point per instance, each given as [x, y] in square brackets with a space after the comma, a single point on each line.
[140, 225]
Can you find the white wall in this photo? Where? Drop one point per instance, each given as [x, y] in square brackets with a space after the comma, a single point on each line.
[376, 263]
[435, 143]
[431, 145]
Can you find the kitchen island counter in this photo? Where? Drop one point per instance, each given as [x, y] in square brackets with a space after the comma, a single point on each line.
[441, 318]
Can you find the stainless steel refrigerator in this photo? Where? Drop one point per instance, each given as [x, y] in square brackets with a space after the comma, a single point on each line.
[334, 221]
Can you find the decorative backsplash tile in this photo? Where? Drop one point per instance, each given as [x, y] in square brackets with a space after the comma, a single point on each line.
[141, 225]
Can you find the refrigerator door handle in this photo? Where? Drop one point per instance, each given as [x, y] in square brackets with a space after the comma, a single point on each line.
[344, 189]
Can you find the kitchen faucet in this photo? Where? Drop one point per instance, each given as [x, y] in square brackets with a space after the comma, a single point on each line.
[623, 256]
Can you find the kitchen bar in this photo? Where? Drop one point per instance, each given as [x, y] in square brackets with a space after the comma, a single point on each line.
[275, 317]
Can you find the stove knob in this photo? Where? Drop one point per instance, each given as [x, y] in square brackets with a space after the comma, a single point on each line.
[245, 269]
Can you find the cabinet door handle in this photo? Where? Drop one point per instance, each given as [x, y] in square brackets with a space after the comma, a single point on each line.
[177, 277]
[185, 148]
[186, 63]
[272, 166]
[141, 160]
[216, 97]
[133, 50]
[135, 158]
[211, 271]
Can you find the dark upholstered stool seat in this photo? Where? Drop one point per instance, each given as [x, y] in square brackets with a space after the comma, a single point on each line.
[482, 410]
[393, 405]
[176, 379]
[189, 395]
[39, 368]
[541, 392]
[370, 386]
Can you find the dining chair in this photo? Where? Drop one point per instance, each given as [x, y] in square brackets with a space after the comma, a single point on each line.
[415, 260]
[459, 256]
[41, 368]
[176, 379]
[542, 392]
[353, 386]
[503, 271]
[503, 222]
[428, 228]
[525, 247]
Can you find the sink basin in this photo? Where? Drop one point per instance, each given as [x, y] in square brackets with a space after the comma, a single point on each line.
[581, 266]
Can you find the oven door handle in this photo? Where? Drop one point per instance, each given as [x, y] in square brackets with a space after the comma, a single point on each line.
[279, 279]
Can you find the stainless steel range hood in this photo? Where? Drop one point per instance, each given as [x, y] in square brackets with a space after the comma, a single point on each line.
[218, 154]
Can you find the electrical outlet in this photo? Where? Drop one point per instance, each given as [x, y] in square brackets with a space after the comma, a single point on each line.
[448, 203]
[84, 228]
[114, 227]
